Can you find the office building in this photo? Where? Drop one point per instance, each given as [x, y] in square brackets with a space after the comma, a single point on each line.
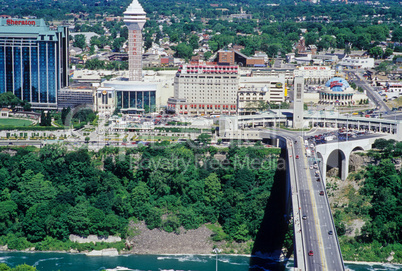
[33, 61]
[256, 89]
[72, 97]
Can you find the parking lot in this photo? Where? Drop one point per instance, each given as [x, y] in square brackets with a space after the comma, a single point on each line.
[337, 135]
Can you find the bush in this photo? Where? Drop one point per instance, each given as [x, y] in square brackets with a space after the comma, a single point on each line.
[15, 242]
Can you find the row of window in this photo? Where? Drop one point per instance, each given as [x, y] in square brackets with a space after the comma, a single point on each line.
[30, 72]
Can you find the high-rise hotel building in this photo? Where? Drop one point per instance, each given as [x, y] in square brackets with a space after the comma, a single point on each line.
[33, 61]
[205, 90]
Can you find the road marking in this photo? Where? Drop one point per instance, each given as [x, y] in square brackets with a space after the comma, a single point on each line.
[319, 235]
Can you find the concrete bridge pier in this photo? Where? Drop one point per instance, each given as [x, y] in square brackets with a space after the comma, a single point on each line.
[337, 155]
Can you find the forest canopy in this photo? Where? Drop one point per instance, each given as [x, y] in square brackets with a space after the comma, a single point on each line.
[53, 192]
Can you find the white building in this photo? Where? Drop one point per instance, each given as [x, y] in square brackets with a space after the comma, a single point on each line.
[134, 97]
[357, 62]
[202, 89]
[394, 87]
[253, 90]
[315, 74]
[104, 101]
[272, 72]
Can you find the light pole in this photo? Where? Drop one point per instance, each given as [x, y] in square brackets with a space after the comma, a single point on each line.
[216, 251]
[347, 126]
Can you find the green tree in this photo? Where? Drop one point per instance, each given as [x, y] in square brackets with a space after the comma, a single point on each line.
[8, 214]
[8, 99]
[376, 52]
[386, 67]
[397, 34]
[183, 50]
[34, 189]
[207, 55]
[213, 190]
[79, 41]
[24, 267]
[194, 42]
[34, 223]
[388, 52]
[204, 138]
[118, 43]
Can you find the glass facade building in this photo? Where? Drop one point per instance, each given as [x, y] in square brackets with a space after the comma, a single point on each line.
[33, 61]
[134, 96]
[136, 99]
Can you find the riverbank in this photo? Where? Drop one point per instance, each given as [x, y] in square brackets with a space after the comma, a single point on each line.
[373, 263]
[79, 262]
[157, 242]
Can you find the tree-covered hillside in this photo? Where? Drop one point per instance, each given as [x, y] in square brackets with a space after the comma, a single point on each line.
[53, 193]
[374, 199]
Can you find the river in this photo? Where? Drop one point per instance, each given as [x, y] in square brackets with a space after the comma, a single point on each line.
[51, 261]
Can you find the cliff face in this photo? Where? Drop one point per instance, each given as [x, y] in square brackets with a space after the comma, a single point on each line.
[358, 162]
[156, 241]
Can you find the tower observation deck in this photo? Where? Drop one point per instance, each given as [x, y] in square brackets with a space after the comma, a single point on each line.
[135, 18]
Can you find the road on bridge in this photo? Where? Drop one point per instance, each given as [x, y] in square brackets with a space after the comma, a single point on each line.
[318, 230]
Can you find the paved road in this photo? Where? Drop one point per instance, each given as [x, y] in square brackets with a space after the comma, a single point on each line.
[318, 222]
[311, 240]
[373, 95]
[326, 227]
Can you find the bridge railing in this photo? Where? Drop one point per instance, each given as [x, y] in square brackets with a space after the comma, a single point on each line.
[330, 212]
[297, 217]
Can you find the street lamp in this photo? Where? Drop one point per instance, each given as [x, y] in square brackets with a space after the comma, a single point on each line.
[347, 126]
[216, 251]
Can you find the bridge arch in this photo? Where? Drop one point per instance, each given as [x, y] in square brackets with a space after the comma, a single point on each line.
[338, 159]
[358, 148]
[353, 160]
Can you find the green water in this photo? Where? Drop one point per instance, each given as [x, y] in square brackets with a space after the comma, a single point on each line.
[50, 261]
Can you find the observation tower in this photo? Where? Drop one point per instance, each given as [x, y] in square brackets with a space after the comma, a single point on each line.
[135, 18]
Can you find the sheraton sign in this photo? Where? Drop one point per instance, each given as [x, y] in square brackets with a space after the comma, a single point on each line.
[20, 22]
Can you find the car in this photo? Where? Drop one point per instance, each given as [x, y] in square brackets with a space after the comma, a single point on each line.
[321, 193]
[318, 180]
[310, 253]
[330, 233]
[304, 217]
[297, 157]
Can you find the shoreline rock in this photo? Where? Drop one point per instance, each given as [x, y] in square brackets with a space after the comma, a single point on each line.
[94, 239]
[103, 252]
[157, 241]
